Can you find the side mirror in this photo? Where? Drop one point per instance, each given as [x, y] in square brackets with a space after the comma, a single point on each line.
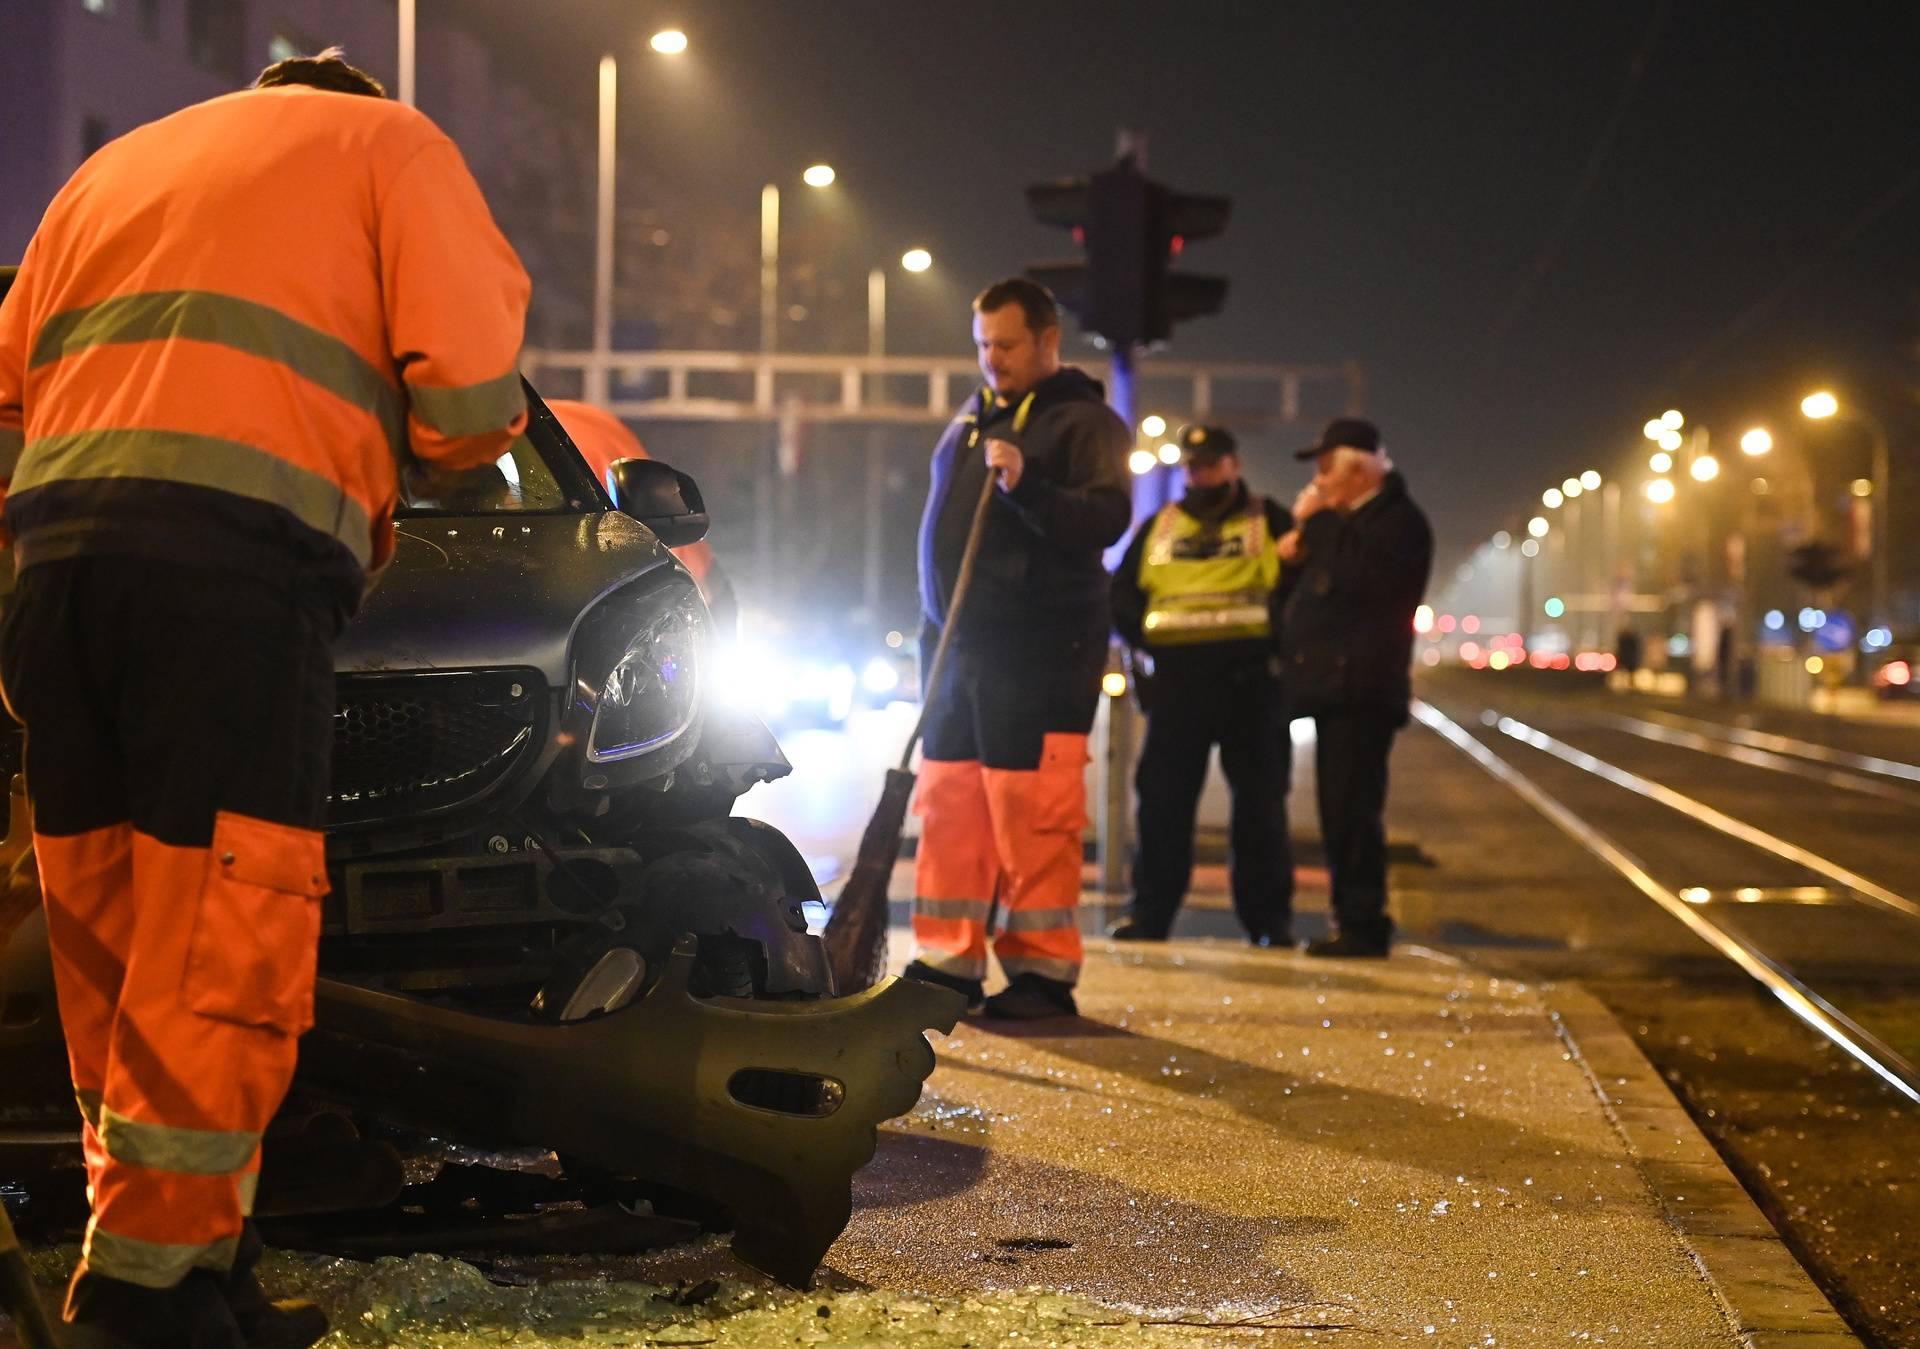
[660, 497]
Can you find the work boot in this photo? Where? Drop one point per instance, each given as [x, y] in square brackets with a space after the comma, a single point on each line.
[1350, 945]
[266, 1324]
[1031, 997]
[104, 1313]
[974, 990]
[1133, 929]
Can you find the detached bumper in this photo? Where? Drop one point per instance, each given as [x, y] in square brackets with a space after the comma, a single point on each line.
[765, 1107]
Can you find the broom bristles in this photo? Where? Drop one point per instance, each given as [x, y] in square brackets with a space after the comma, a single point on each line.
[856, 935]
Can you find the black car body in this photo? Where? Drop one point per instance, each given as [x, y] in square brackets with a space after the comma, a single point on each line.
[546, 928]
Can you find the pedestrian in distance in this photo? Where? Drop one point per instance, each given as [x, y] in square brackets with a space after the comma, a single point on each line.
[230, 328]
[1354, 569]
[1192, 599]
[1002, 794]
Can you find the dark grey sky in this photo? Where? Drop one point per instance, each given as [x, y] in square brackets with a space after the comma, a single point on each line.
[1407, 180]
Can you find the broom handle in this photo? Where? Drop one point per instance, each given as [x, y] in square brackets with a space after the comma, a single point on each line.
[960, 585]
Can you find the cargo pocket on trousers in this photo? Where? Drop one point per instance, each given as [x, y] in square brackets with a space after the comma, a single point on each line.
[1060, 796]
[256, 935]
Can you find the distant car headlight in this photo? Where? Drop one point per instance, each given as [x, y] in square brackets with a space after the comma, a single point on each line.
[880, 676]
[652, 694]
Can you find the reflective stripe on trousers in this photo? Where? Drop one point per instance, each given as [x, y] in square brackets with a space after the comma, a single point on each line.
[1014, 831]
[173, 1100]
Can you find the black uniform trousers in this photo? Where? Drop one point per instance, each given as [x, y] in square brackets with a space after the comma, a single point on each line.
[1239, 708]
[1350, 763]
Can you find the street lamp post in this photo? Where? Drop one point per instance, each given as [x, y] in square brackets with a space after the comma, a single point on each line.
[409, 28]
[1822, 405]
[769, 268]
[596, 389]
[876, 445]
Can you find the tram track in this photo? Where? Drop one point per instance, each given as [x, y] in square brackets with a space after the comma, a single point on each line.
[1772, 971]
[1763, 951]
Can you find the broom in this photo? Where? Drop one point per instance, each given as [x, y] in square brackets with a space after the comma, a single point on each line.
[856, 934]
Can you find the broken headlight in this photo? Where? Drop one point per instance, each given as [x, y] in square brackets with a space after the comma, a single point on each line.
[651, 695]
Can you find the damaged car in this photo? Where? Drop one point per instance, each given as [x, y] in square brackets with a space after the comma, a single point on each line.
[548, 934]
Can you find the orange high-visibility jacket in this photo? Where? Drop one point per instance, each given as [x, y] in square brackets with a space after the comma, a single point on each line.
[249, 314]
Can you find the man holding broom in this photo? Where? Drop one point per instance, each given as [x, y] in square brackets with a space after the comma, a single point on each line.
[1002, 796]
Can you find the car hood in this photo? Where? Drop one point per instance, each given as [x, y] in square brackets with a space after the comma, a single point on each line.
[468, 592]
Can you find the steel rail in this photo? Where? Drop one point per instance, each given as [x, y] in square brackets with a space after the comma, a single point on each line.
[1804, 749]
[1701, 813]
[1844, 779]
[1808, 1006]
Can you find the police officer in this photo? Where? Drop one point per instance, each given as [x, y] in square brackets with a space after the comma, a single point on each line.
[1191, 599]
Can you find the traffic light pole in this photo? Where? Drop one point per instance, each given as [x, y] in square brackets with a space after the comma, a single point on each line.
[1113, 835]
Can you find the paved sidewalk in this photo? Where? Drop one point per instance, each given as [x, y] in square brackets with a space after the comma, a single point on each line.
[1399, 1149]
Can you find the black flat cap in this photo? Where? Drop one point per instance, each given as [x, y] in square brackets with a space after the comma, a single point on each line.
[1352, 433]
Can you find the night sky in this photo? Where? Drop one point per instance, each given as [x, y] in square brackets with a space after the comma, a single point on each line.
[1537, 224]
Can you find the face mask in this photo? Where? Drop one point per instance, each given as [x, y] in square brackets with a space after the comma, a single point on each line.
[1209, 498]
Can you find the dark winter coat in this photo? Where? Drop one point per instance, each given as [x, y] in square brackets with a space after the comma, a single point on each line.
[1346, 608]
[1038, 575]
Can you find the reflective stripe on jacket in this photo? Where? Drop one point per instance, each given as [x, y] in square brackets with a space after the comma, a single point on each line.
[1207, 582]
[276, 297]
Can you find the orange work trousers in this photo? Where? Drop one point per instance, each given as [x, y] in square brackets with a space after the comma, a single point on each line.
[179, 723]
[1002, 806]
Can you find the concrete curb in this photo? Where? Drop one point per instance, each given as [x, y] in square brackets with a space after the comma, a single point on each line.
[1767, 1295]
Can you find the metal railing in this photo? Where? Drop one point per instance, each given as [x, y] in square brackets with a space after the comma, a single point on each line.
[751, 386]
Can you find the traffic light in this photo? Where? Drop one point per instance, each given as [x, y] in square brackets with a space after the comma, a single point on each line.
[1132, 229]
[1818, 564]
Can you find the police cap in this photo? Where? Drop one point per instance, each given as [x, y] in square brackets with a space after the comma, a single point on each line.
[1206, 444]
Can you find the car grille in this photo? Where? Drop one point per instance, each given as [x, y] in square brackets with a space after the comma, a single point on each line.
[424, 744]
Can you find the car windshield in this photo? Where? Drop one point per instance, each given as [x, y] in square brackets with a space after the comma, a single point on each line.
[540, 473]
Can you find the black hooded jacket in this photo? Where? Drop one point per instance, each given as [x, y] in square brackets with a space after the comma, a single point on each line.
[1346, 609]
[1039, 573]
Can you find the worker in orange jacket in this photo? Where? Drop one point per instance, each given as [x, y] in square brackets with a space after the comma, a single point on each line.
[230, 330]
[603, 439]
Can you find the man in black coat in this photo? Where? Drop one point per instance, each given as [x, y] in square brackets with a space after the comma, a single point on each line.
[1355, 568]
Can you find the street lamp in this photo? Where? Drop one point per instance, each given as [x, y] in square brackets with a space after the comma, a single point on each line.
[1672, 420]
[1591, 480]
[1662, 462]
[1819, 406]
[1660, 491]
[1153, 425]
[668, 43]
[1551, 498]
[1538, 526]
[1756, 442]
[916, 259]
[1705, 468]
[817, 176]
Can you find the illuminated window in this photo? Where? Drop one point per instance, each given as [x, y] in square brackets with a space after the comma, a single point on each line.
[287, 43]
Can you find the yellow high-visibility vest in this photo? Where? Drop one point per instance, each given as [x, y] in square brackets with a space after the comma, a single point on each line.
[1208, 582]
